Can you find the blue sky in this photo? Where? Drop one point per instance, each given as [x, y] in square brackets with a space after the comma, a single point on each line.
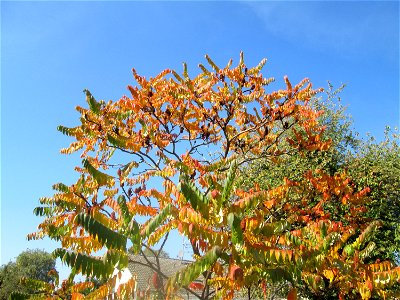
[51, 51]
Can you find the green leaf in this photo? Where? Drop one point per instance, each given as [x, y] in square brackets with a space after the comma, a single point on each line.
[366, 234]
[158, 220]
[329, 241]
[212, 64]
[144, 126]
[205, 71]
[324, 228]
[93, 104]
[66, 205]
[127, 216]
[350, 249]
[249, 202]
[117, 141]
[131, 227]
[126, 169]
[179, 78]
[18, 296]
[277, 274]
[100, 177]
[133, 233]
[367, 251]
[61, 187]
[123, 115]
[43, 211]
[316, 282]
[258, 68]
[196, 198]
[104, 235]
[66, 130]
[116, 258]
[219, 164]
[230, 218]
[36, 285]
[274, 228]
[85, 264]
[237, 233]
[59, 231]
[227, 190]
[185, 71]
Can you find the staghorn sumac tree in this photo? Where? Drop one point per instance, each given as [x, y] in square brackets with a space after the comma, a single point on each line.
[166, 157]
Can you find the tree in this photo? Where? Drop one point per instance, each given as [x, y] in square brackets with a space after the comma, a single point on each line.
[338, 130]
[171, 153]
[368, 164]
[35, 264]
[377, 165]
[39, 289]
[9, 278]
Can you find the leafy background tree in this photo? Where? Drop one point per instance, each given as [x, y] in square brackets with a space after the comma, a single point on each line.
[34, 264]
[377, 165]
[338, 129]
[367, 162]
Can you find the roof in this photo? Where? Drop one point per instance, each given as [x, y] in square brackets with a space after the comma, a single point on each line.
[139, 267]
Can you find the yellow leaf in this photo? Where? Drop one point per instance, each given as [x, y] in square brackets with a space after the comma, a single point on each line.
[329, 274]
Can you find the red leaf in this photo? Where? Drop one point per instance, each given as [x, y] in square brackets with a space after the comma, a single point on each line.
[292, 295]
[196, 286]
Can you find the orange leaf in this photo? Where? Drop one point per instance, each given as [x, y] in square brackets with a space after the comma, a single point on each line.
[269, 204]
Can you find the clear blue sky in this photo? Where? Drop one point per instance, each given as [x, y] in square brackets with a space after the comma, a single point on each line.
[51, 51]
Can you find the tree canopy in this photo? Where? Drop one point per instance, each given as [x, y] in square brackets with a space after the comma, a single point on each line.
[170, 157]
[366, 162]
[35, 264]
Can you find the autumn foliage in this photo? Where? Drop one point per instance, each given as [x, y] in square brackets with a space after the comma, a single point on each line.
[170, 152]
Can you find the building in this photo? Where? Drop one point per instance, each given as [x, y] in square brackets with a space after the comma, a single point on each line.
[147, 278]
